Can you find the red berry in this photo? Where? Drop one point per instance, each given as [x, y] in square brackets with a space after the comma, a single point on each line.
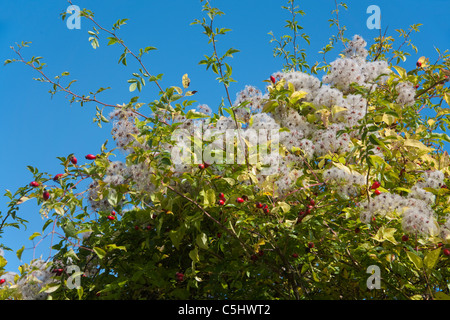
[2, 281]
[266, 210]
[310, 245]
[136, 227]
[312, 202]
[179, 276]
[90, 157]
[239, 200]
[446, 252]
[221, 195]
[58, 271]
[201, 166]
[419, 64]
[148, 227]
[113, 213]
[57, 177]
[259, 205]
[357, 230]
[73, 160]
[221, 202]
[295, 255]
[260, 253]
[110, 217]
[377, 192]
[375, 185]
[34, 184]
[272, 79]
[405, 238]
[46, 195]
[219, 235]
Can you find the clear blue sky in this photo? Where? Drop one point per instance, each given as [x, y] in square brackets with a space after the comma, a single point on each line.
[36, 129]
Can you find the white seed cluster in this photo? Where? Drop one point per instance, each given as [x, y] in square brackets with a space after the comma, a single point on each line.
[116, 173]
[301, 82]
[123, 128]
[417, 215]
[406, 93]
[36, 276]
[204, 108]
[342, 109]
[445, 229]
[353, 68]
[253, 97]
[347, 183]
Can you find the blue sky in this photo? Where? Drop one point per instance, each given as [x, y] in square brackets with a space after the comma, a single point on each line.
[36, 129]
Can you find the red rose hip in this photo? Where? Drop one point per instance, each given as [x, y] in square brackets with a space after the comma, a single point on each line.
[375, 185]
[46, 195]
[34, 184]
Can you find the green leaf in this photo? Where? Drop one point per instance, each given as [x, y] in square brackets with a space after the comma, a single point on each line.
[186, 81]
[113, 198]
[176, 236]
[69, 229]
[441, 296]
[415, 259]
[385, 234]
[209, 197]
[297, 95]
[202, 241]
[192, 114]
[3, 262]
[193, 254]
[133, 86]
[388, 119]
[114, 246]
[34, 235]
[401, 71]
[112, 40]
[19, 252]
[417, 144]
[284, 206]
[230, 181]
[431, 258]
[270, 106]
[51, 287]
[100, 252]
[80, 292]
[447, 98]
